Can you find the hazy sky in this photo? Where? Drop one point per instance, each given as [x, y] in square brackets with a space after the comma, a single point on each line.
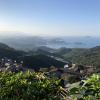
[50, 17]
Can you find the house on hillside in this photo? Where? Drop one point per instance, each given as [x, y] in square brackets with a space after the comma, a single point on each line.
[57, 72]
[66, 66]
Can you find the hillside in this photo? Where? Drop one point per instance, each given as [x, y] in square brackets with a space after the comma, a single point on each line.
[81, 56]
[84, 56]
[34, 59]
[37, 61]
[6, 51]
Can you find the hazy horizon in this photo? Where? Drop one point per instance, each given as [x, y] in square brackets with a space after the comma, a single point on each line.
[50, 17]
[23, 34]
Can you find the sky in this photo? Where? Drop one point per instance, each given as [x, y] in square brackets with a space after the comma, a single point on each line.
[50, 17]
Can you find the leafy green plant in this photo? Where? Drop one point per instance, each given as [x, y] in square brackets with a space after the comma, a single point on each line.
[90, 89]
[30, 86]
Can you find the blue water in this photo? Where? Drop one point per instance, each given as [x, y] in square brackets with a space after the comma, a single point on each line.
[77, 42]
[53, 42]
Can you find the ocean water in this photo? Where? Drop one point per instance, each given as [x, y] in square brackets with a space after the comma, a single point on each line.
[53, 42]
[76, 42]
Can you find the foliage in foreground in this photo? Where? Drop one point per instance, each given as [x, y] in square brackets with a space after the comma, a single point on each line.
[38, 86]
[29, 86]
[90, 89]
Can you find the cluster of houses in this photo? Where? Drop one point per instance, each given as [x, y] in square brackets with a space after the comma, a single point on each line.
[10, 65]
[73, 73]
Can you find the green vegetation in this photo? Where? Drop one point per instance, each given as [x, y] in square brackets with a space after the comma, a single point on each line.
[29, 86]
[81, 56]
[90, 89]
[6, 51]
[38, 86]
[84, 56]
[35, 61]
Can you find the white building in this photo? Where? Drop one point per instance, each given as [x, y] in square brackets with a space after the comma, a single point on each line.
[66, 66]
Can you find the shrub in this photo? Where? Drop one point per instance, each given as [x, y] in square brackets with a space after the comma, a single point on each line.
[29, 86]
[90, 89]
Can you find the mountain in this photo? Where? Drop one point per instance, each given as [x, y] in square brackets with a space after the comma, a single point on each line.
[37, 61]
[6, 51]
[90, 56]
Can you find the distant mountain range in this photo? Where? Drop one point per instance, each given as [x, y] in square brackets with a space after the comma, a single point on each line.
[30, 43]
